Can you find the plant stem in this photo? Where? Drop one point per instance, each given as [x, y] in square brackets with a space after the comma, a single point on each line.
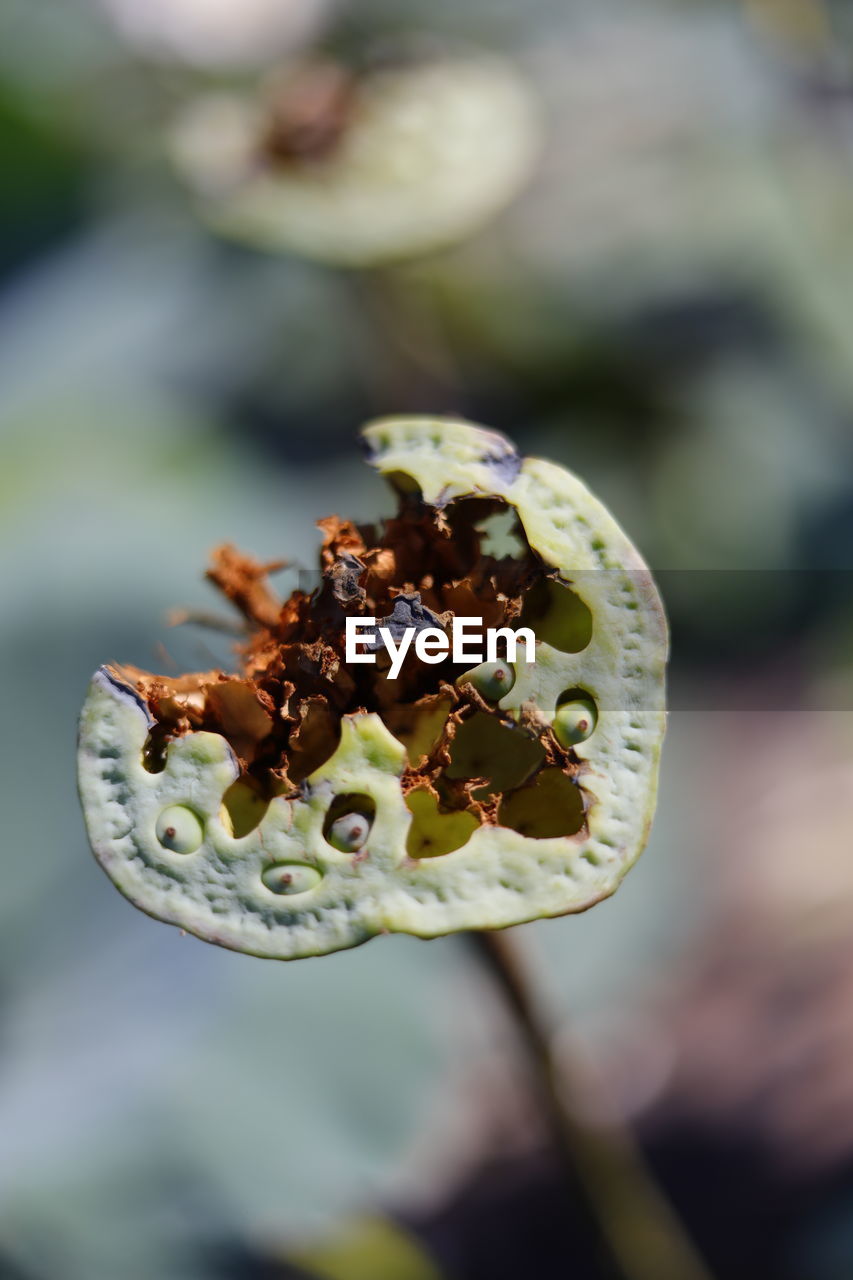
[635, 1231]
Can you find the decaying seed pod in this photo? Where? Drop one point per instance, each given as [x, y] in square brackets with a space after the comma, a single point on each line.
[362, 167]
[308, 803]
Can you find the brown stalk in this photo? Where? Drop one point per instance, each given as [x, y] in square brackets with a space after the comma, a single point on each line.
[634, 1230]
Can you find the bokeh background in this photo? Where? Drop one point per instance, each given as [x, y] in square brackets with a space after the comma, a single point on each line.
[667, 308]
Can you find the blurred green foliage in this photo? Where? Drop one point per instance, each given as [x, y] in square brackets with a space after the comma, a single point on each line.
[667, 309]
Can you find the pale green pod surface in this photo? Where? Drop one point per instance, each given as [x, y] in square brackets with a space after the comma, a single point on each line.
[400, 160]
[308, 803]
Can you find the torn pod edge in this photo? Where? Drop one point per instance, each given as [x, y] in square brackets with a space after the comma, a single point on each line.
[448, 811]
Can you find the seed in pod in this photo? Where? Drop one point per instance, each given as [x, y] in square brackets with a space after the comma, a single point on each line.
[349, 832]
[179, 830]
[575, 721]
[491, 679]
[290, 877]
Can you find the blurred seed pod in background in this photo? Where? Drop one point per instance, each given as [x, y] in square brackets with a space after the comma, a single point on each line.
[218, 33]
[362, 167]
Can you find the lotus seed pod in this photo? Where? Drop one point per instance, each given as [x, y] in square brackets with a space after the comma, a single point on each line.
[574, 721]
[491, 679]
[308, 802]
[362, 168]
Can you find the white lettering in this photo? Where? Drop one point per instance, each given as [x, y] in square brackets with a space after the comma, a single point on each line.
[432, 645]
[460, 639]
[397, 651]
[354, 638]
[511, 638]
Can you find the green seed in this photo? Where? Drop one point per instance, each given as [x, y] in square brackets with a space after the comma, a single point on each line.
[575, 721]
[491, 679]
[349, 832]
[290, 877]
[179, 829]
